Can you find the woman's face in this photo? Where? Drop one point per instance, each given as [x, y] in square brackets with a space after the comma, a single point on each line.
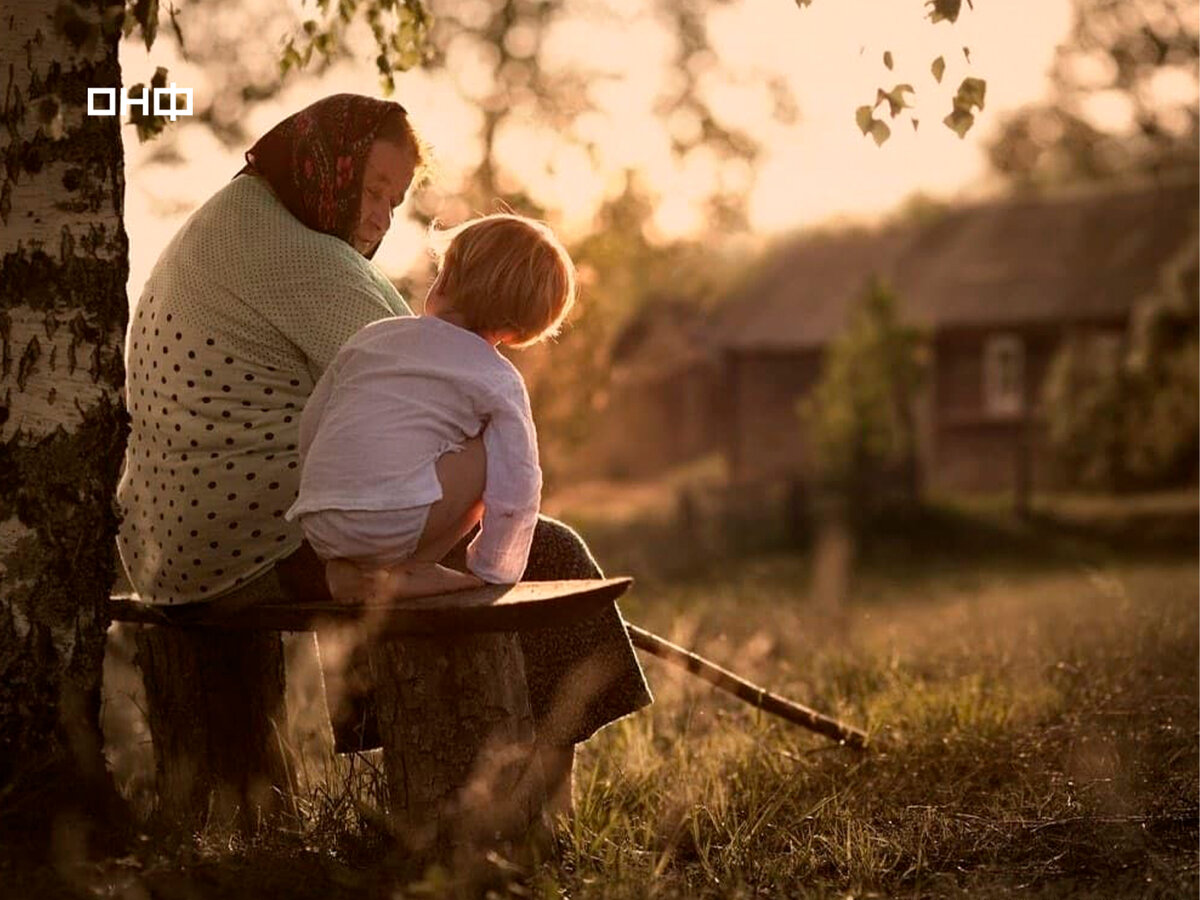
[389, 172]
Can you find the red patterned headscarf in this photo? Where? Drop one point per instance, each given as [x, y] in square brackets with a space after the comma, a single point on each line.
[314, 160]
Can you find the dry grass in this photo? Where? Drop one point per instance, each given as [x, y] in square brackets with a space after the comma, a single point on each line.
[1035, 729]
[1036, 734]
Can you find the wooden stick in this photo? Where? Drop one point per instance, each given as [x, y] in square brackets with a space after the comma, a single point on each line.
[745, 690]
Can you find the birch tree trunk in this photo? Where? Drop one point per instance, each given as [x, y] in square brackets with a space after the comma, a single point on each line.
[63, 310]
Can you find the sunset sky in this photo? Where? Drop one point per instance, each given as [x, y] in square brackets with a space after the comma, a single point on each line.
[817, 169]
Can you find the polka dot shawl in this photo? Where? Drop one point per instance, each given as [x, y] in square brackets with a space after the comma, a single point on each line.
[242, 313]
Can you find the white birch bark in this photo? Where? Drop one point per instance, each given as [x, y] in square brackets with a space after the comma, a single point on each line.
[63, 311]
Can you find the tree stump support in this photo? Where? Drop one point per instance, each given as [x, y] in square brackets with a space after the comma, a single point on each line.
[215, 705]
[459, 747]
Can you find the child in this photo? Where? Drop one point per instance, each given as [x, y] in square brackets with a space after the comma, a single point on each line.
[420, 427]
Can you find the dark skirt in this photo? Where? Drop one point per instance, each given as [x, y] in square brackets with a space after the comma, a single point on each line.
[580, 676]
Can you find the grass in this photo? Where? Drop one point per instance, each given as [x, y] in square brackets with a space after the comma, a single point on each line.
[1036, 734]
[1031, 692]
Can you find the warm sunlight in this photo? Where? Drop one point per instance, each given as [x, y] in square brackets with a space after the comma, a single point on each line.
[607, 449]
[817, 168]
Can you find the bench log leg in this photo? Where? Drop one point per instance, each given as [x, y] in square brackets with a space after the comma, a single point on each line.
[459, 746]
[215, 705]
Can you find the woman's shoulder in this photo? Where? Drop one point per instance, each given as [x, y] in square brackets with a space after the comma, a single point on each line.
[322, 248]
[262, 236]
[248, 209]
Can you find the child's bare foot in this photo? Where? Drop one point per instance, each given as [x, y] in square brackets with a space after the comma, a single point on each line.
[426, 579]
[351, 583]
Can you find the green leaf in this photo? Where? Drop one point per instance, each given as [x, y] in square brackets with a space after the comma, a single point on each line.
[146, 12]
[868, 124]
[895, 98]
[287, 57]
[173, 14]
[944, 10]
[938, 68]
[971, 93]
[959, 121]
[863, 116]
[887, 59]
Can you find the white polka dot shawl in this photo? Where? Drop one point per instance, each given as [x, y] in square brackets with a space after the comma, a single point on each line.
[242, 313]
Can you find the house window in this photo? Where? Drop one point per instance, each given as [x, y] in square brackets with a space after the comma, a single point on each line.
[1004, 375]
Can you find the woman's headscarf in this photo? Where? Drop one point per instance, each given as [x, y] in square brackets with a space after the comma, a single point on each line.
[314, 160]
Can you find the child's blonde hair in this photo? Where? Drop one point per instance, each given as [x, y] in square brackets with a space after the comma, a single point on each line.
[506, 273]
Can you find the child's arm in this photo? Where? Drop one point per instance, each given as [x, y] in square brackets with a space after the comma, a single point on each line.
[314, 409]
[512, 491]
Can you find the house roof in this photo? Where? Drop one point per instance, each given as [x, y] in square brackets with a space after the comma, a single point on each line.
[1080, 255]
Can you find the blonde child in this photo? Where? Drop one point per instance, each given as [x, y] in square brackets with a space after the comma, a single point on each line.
[420, 428]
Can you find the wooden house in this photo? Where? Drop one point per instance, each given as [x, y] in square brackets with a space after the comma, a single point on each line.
[997, 287]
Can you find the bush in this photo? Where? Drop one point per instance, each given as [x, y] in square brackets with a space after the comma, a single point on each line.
[1131, 422]
[860, 419]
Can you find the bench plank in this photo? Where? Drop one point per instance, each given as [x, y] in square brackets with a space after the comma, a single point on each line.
[494, 608]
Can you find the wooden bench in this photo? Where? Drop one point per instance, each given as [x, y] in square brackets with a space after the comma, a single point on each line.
[459, 748]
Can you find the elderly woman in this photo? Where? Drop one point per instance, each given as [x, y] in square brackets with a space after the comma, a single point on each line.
[243, 311]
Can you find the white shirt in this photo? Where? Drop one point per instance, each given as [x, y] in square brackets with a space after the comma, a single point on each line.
[242, 313]
[400, 394]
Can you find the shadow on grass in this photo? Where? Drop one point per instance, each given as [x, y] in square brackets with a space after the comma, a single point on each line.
[900, 543]
[928, 537]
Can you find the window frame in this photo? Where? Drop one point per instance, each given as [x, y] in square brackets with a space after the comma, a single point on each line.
[1004, 367]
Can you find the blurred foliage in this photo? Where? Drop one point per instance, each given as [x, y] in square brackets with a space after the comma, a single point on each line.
[625, 279]
[412, 32]
[498, 56]
[215, 41]
[525, 89]
[859, 419]
[510, 35]
[969, 96]
[1124, 102]
[1134, 55]
[400, 29]
[84, 33]
[1130, 421]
